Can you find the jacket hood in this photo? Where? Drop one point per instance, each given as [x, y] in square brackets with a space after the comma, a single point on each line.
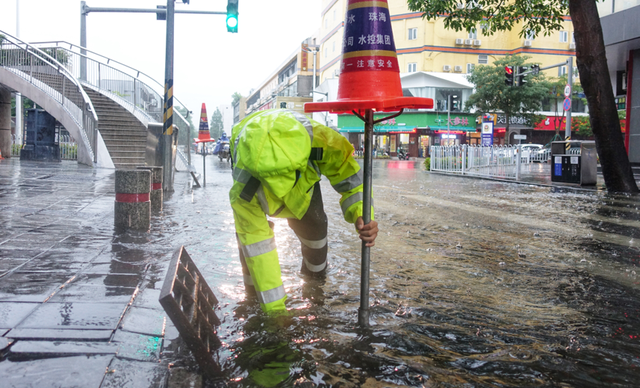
[273, 145]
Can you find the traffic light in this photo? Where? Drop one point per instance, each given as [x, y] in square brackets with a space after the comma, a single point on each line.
[535, 69]
[508, 75]
[522, 77]
[232, 16]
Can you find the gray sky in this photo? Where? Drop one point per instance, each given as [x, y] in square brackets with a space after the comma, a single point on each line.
[210, 63]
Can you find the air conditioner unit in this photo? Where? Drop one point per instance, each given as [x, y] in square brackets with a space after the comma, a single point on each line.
[457, 69]
[477, 42]
[468, 42]
[459, 41]
[572, 46]
[527, 43]
[446, 68]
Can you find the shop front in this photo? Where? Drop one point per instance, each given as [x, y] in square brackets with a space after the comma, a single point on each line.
[414, 132]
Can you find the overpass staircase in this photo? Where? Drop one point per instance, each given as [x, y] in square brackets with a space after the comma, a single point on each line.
[113, 104]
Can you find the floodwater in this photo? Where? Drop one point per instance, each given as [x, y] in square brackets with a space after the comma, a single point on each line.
[474, 283]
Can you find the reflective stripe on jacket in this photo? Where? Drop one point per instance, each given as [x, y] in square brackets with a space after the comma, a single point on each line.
[287, 194]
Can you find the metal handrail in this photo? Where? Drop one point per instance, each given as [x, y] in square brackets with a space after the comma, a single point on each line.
[107, 62]
[88, 123]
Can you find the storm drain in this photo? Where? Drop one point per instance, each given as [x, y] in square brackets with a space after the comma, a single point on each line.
[189, 302]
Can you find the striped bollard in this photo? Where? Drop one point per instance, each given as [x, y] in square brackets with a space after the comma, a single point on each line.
[132, 206]
[156, 186]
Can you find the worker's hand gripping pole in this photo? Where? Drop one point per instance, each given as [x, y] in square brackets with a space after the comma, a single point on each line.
[369, 122]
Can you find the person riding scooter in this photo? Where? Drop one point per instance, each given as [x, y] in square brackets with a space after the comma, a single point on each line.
[402, 155]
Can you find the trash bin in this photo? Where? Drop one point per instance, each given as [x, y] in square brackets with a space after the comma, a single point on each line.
[574, 162]
[42, 142]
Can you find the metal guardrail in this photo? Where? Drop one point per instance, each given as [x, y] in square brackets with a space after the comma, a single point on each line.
[68, 148]
[495, 161]
[132, 88]
[47, 70]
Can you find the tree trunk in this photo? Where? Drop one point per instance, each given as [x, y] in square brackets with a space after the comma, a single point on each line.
[594, 78]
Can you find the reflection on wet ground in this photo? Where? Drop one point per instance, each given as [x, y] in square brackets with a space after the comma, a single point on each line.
[473, 283]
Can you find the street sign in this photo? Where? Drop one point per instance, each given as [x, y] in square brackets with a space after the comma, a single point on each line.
[567, 90]
[566, 105]
[520, 137]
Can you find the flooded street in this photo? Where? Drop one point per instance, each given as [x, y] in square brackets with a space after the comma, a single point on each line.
[473, 283]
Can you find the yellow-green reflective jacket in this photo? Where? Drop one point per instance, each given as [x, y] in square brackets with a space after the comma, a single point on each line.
[286, 153]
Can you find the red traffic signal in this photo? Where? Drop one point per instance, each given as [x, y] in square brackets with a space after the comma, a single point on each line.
[508, 75]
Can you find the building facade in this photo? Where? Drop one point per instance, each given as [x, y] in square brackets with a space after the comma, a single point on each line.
[621, 32]
[289, 86]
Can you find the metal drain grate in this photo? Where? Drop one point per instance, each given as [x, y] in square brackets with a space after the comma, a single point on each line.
[189, 302]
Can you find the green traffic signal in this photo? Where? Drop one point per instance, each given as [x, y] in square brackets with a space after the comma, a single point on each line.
[232, 16]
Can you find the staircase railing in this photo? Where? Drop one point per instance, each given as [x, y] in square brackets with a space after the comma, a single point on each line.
[48, 71]
[142, 95]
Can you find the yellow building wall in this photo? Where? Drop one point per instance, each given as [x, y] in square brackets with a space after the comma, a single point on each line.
[435, 46]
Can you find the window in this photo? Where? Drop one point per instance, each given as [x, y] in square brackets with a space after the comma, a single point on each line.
[326, 51]
[335, 14]
[531, 35]
[562, 70]
[564, 36]
[334, 46]
[326, 22]
[412, 68]
[483, 59]
[413, 33]
[473, 34]
[470, 67]
[484, 26]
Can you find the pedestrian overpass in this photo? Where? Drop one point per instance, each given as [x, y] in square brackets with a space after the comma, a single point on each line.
[107, 106]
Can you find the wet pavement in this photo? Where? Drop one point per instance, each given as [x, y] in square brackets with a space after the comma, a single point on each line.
[474, 283]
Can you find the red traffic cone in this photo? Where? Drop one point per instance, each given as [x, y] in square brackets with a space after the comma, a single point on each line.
[370, 76]
[203, 131]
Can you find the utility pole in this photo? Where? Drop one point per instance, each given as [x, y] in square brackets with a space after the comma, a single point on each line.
[166, 138]
[19, 125]
[567, 128]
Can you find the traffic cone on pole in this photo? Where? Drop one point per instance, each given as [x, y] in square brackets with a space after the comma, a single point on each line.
[369, 72]
[203, 130]
[369, 81]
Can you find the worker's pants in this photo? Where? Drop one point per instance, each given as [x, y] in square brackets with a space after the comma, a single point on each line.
[312, 233]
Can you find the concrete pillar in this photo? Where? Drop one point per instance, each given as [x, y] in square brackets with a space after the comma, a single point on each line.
[156, 186]
[5, 122]
[132, 205]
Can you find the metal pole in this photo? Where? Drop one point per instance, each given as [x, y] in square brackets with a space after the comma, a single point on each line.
[189, 141]
[363, 311]
[83, 40]
[567, 127]
[167, 129]
[204, 167]
[19, 126]
[448, 117]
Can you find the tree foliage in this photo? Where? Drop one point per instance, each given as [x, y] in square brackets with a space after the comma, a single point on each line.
[536, 16]
[236, 97]
[492, 95]
[216, 125]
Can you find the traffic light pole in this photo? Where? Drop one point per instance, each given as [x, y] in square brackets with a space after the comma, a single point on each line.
[569, 64]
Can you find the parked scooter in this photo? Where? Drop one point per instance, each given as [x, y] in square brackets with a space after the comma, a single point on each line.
[403, 155]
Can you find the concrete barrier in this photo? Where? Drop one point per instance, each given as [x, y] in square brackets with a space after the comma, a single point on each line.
[156, 187]
[132, 205]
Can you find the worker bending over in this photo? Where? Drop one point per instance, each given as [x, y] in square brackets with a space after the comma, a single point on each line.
[278, 158]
